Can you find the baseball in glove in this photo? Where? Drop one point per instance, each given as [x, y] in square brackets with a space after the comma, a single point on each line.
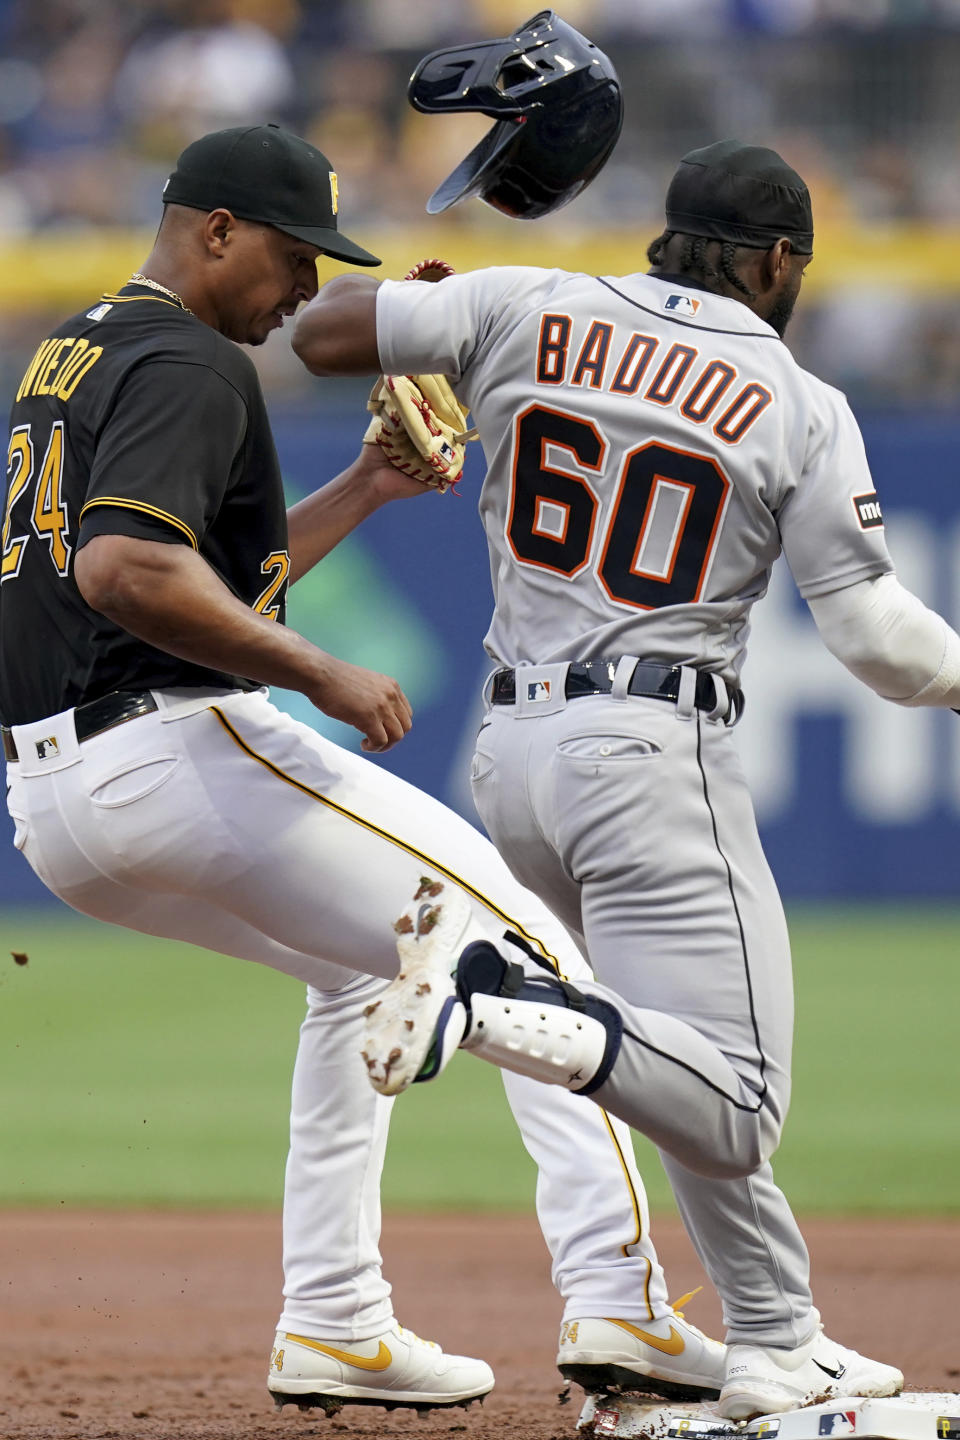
[418, 422]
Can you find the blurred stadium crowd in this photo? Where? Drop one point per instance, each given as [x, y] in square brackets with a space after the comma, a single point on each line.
[98, 96]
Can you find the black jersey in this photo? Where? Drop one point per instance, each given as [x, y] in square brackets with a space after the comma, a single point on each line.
[133, 418]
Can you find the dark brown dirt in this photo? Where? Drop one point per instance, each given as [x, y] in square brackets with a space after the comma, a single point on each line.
[158, 1327]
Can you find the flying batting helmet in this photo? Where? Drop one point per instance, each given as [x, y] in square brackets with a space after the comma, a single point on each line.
[557, 103]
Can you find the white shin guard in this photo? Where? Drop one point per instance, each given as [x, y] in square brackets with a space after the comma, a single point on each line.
[546, 1042]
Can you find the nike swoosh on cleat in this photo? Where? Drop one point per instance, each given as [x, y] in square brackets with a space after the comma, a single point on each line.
[834, 1374]
[673, 1345]
[380, 1361]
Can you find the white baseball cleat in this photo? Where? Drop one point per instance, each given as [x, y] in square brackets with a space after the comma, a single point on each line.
[767, 1381]
[418, 1022]
[395, 1368]
[668, 1357]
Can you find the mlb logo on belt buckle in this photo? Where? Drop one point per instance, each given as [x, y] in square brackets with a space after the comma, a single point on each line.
[538, 690]
[47, 749]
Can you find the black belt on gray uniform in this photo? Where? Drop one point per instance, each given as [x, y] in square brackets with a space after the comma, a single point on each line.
[595, 677]
[98, 715]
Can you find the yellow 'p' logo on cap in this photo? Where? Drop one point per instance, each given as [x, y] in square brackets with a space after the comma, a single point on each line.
[334, 191]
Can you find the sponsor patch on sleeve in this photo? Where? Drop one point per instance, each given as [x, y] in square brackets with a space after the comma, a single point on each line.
[868, 510]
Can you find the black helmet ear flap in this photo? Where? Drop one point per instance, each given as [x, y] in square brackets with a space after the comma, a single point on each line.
[499, 78]
[466, 79]
[557, 102]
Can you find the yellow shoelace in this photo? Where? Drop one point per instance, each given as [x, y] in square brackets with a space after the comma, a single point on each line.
[434, 1343]
[681, 1300]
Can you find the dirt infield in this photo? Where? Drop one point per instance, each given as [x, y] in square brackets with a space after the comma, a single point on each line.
[158, 1327]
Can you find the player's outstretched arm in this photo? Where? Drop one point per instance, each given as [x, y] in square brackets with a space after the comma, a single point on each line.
[318, 523]
[169, 596]
[336, 333]
[891, 641]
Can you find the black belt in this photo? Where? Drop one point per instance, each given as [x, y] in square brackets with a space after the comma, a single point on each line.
[98, 715]
[595, 677]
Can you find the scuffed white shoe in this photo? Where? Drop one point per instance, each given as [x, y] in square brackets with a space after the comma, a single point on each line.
[393, 1369]
[418, 1022]
[767, 1381]
[668, 1357]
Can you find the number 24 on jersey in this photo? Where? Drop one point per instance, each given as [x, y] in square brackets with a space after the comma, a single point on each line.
[48, 516]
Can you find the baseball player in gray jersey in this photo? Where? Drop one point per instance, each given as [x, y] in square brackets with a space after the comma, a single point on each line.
[651, 446]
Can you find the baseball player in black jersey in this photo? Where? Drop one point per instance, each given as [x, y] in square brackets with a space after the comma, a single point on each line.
[146, 553]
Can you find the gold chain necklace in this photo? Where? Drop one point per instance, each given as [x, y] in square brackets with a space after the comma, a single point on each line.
[138, 279]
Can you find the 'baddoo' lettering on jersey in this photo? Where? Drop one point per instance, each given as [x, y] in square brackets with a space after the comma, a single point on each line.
[653, 369]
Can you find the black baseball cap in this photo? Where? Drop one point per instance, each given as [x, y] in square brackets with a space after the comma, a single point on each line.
[743, 193]
[263, 173]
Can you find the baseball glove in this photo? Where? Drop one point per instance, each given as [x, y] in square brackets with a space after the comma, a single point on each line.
[432, 270]
[418, 422]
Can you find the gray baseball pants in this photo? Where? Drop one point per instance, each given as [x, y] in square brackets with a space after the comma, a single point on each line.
[631, 818]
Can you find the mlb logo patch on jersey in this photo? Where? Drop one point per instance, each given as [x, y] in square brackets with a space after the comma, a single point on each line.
[538, 690]
[98, 312]
[868, 511]
[838, 1422]
[47, 749]
[682, 304]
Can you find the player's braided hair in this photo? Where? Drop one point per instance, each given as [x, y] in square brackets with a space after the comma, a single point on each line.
[694, 260]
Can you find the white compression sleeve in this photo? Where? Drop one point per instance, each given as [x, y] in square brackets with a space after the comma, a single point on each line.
[891, 641]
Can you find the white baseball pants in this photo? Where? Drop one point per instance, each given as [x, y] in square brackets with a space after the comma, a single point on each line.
[220, 821]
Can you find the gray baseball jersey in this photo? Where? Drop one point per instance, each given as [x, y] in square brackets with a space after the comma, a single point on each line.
[650, 449]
